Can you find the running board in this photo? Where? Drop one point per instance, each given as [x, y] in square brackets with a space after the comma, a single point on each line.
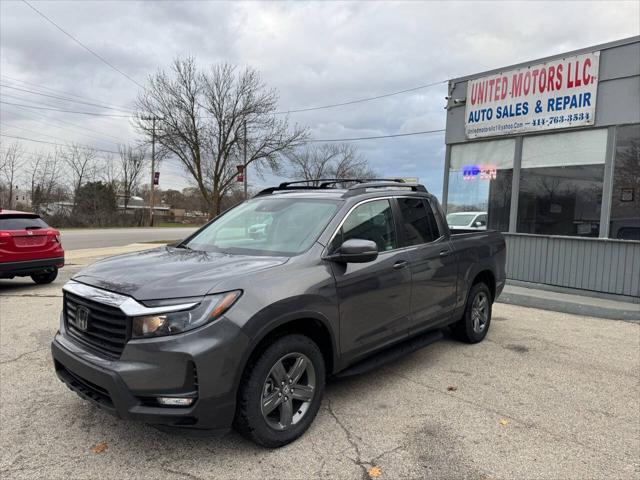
[390, 354]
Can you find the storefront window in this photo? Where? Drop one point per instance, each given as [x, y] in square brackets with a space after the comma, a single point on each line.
[561, 180]
[625, 201]
[480, 177]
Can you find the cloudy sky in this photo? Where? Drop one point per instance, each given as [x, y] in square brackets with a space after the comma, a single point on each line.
[314, 53]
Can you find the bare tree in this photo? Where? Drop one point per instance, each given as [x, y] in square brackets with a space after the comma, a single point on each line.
[44, 178]
[206, 119]
[109, 172]
[11, 162]
[329, 161]
[132, 163]
[80, 162]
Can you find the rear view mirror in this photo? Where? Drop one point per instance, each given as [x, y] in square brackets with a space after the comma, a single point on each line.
[355, 251]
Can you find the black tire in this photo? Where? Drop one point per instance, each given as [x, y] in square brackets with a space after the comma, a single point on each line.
[258, 385]
[464, 328]
[45, 277]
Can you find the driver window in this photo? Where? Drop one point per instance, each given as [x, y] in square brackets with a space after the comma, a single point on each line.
[369, 221]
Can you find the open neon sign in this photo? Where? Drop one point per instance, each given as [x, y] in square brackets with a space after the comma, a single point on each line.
[480, 172]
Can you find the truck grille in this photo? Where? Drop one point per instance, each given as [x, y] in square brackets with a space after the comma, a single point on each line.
[107, 328]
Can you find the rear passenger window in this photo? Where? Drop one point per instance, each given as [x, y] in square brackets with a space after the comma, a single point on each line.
[21, 222]
[418, 222]
[369, 221]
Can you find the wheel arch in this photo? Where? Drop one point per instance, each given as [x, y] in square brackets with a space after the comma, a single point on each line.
[306, 323]
[487, 277]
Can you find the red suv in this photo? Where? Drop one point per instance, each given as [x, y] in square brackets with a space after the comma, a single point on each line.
[29, 247]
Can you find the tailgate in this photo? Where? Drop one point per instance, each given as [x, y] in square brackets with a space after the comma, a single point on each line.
[28, 240]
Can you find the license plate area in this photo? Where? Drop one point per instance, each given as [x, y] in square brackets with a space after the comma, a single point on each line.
[38, 241]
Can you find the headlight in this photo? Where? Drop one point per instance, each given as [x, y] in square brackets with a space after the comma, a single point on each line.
[210, 308]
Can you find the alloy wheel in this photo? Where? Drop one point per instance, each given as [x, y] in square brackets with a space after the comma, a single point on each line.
[480, 312]
[288, 391]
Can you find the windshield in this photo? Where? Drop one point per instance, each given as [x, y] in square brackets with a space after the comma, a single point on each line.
[460, 220]
[267, 226]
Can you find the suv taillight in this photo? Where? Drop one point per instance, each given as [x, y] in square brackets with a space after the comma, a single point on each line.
[55, 235]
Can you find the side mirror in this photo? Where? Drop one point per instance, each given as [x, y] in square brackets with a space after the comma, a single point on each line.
[355, 251]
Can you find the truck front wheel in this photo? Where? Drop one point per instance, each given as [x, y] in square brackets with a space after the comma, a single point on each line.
[281, 391]
[474, 324]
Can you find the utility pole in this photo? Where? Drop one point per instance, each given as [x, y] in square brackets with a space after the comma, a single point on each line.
[245, 160]
[152, 199]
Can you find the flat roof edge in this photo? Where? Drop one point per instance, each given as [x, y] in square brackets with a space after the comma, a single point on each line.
[593, 48]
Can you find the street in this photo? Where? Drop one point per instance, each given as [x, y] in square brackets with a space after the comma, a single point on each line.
[546, 395]
[110, 237]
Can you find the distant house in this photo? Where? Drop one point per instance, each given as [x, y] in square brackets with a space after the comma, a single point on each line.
[63, 208]
[22, 197]
[137, 204]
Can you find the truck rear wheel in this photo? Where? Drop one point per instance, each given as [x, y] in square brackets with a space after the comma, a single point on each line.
[281, 391]
[474, 324]
[45, 277]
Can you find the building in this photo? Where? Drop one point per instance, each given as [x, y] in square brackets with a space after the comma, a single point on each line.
[550, 150]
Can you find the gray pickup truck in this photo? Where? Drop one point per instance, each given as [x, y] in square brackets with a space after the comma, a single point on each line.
[241, 323]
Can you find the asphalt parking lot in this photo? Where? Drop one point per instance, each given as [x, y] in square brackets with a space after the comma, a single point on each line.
[547, 395]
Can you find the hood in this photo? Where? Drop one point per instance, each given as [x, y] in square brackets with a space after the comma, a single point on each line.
[167, 272]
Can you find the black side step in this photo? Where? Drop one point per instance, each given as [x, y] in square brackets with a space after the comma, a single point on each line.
[391, 354]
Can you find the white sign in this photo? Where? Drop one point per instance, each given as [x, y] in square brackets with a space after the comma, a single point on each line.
[556, 94]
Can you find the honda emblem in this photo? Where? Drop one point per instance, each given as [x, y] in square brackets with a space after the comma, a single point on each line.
[82, 318]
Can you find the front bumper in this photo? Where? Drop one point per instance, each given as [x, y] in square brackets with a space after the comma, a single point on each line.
[204, 362]
[30, 267]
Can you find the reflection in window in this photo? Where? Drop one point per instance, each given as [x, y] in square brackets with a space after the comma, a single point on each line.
[625, 202]
[418, 221]
[480, 179]
[561, 183]
[369, 221]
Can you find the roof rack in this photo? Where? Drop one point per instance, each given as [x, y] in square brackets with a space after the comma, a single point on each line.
[361, 188]
[324, 183]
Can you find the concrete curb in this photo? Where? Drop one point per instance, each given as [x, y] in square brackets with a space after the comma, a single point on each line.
[567, 303]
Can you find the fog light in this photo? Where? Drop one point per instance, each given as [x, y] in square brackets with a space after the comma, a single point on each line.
[175, 401]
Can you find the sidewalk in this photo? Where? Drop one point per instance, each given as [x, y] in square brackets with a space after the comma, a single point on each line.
[73, 256]
[570, 303]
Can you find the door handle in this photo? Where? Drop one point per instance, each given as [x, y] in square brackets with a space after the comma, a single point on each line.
[445, 253]
[400, 264]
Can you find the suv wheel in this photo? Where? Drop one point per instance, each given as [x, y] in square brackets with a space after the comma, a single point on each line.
[45, 277]
[281, 391]
[474, 324]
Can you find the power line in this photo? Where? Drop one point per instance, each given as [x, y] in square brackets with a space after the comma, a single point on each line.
[62, 98]
[63, 92]
[28, 130]
[102, 59]
[376, 137]
[78, 128]
[424, 132]
[361, 100]
[87, 147]
[67, 111]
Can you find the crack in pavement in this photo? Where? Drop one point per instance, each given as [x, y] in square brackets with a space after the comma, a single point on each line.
[178, 472]
[358, 460]
[23, 355]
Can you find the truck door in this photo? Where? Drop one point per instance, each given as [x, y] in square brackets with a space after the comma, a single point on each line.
[433, 265]
[374, 297]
